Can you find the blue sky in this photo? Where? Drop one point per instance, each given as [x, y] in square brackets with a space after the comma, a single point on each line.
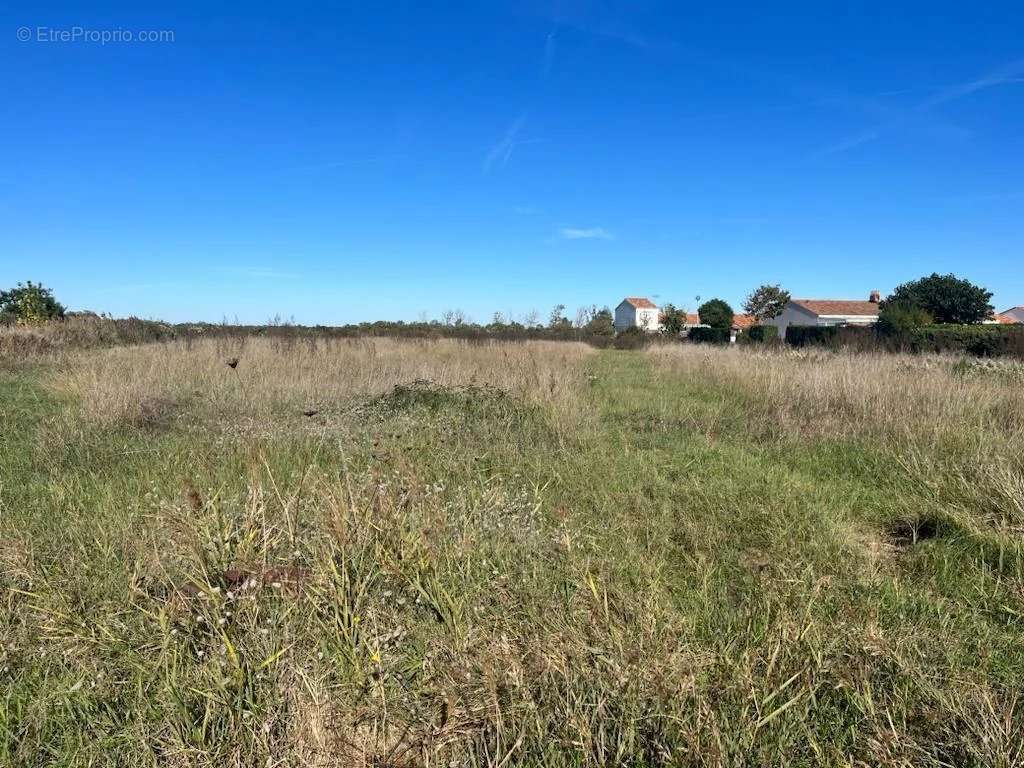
[392, 160]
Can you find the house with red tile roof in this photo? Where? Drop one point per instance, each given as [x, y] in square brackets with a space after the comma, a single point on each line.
[1012, 316]
[637, 312]
[743, 322]
[827, 312]
[640, 312]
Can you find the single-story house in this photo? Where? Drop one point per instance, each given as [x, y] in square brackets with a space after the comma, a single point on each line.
[637, 312]
[1012, 316]
[827, 312]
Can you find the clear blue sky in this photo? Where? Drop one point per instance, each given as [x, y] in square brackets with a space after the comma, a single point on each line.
[387, 160]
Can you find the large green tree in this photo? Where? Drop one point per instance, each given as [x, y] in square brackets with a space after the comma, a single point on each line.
[947, 298]
[29, 303]
[716, 313]
[766, 301]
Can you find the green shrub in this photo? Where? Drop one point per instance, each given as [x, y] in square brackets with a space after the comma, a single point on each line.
[813, 336]
[863, 338]
[978, 340]
[30, 304]
[860, 338]
[897, 320]
[709, 335]
[762, 333]
[631, 338]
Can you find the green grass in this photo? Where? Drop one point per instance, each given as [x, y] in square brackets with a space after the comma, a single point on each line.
[668, 580]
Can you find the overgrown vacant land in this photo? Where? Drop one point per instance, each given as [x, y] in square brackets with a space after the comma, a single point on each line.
[393, 553]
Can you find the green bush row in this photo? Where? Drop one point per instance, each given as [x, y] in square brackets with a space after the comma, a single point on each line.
[862, 338]
[980, 340]
[758, 334]
[709, 335]
[762, 333]
[813, 336]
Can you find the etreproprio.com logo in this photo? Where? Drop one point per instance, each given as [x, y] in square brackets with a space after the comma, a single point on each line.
[107, 36]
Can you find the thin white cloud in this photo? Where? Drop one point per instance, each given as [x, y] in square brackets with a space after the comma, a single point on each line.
[1008, 74]
[850, 142]
[501, 152]
[1005, 75]
[593, 233]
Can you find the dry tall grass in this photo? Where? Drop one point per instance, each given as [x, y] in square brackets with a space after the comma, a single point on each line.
[274, 376]
[881, 396]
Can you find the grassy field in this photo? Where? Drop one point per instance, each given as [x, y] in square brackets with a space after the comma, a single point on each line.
[382, 553]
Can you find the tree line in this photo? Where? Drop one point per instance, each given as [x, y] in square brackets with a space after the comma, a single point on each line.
[930, 300]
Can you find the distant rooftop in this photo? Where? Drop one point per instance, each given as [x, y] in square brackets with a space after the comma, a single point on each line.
[838, 307]
[640, 302]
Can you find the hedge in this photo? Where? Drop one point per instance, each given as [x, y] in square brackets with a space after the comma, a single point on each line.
[813, 336]
[761, 333]
[980, 340]
[709, 335]
[631, 338]
[861, 338]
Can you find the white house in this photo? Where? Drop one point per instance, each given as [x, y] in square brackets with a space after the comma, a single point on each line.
[827, 312]
[637, 312]
[1012, 316]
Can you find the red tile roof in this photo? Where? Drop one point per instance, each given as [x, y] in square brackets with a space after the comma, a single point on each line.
[743, 322]
[838, 307]
[641, 303]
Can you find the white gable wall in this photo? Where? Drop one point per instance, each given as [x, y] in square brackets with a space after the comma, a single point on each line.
[628, 316]
[648, 319]
[792, 315]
